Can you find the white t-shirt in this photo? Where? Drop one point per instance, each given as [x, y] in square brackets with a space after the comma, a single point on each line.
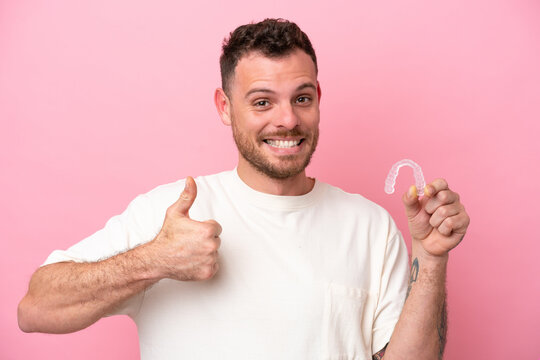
[317, 276]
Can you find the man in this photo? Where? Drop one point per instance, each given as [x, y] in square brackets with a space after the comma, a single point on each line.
[292, 279]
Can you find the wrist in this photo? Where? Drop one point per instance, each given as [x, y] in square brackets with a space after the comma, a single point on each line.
[426, 257]
[146, 264]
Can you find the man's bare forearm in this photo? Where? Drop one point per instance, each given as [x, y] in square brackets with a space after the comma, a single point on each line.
[68, 296]
[421, 330]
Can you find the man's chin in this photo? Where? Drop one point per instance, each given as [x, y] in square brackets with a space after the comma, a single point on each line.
[283, 169]
[273, 164]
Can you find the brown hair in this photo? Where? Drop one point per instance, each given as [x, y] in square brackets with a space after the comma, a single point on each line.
[271, 37]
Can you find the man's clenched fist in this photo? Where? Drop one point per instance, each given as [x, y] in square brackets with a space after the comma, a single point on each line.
[438, 221]
[186, 249]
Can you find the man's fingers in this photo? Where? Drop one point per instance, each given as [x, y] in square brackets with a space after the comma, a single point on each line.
[441, 198]
[411, 202]
[215, 268]
[456, 224]
[217, 241]
[435, 186]
[444, 212]
[216, 228]
[187, 197]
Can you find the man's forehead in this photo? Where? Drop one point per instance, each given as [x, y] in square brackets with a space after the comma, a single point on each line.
[255, 67]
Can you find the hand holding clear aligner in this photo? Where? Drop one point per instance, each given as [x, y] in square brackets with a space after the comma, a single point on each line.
[392, 175]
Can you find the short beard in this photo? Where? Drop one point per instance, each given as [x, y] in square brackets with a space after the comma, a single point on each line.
[255, 157]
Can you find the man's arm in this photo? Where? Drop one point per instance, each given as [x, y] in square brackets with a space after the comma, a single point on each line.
[66, 297]
[437, 223]
[421, 330]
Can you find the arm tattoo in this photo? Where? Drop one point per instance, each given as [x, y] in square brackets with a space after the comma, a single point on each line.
[441, 324]
[414, 275]
[380, 354]
[441, 329]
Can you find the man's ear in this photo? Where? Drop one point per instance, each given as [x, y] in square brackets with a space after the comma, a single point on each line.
[223, 106]
[319, 91]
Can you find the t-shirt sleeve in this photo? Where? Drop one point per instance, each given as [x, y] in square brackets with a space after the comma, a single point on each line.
[393, 289]
[135, 226]
[138, 224]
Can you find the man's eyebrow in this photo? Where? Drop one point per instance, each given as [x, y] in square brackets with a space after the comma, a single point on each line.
[263, 90]
[268, 91]
[306, 85]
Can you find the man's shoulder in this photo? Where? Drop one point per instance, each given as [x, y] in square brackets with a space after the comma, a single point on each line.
[350, 201]
[170, 191]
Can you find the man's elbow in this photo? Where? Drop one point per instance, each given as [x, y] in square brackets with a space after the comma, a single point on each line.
[25, 316]
[33, 317]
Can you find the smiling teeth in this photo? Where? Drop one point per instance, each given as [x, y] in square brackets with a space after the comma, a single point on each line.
[283, 144]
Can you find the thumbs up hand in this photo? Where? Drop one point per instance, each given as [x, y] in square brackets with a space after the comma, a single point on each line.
[186, 249]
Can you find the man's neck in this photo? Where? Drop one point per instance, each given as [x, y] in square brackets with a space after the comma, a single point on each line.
[296, 185]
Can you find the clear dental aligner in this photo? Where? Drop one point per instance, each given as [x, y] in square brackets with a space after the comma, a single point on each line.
[393, 173]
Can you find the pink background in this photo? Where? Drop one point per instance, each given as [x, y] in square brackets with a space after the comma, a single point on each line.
[103, 100]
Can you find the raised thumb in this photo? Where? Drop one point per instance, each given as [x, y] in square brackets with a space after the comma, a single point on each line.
[187, 197]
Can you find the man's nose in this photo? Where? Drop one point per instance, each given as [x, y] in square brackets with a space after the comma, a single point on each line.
[286, 117]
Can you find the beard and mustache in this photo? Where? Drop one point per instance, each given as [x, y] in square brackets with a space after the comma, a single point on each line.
[289, 165]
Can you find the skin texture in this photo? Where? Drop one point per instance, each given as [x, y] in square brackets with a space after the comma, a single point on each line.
[270, 99]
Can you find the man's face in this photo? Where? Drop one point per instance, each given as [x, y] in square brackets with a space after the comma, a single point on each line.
[275, 112]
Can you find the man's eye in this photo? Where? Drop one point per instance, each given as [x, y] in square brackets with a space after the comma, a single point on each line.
[262, 103]
[303, 99]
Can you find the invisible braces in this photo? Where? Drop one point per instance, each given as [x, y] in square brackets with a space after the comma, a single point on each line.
[392, 175]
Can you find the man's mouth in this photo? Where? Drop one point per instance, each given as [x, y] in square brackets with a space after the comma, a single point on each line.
[283, 144]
